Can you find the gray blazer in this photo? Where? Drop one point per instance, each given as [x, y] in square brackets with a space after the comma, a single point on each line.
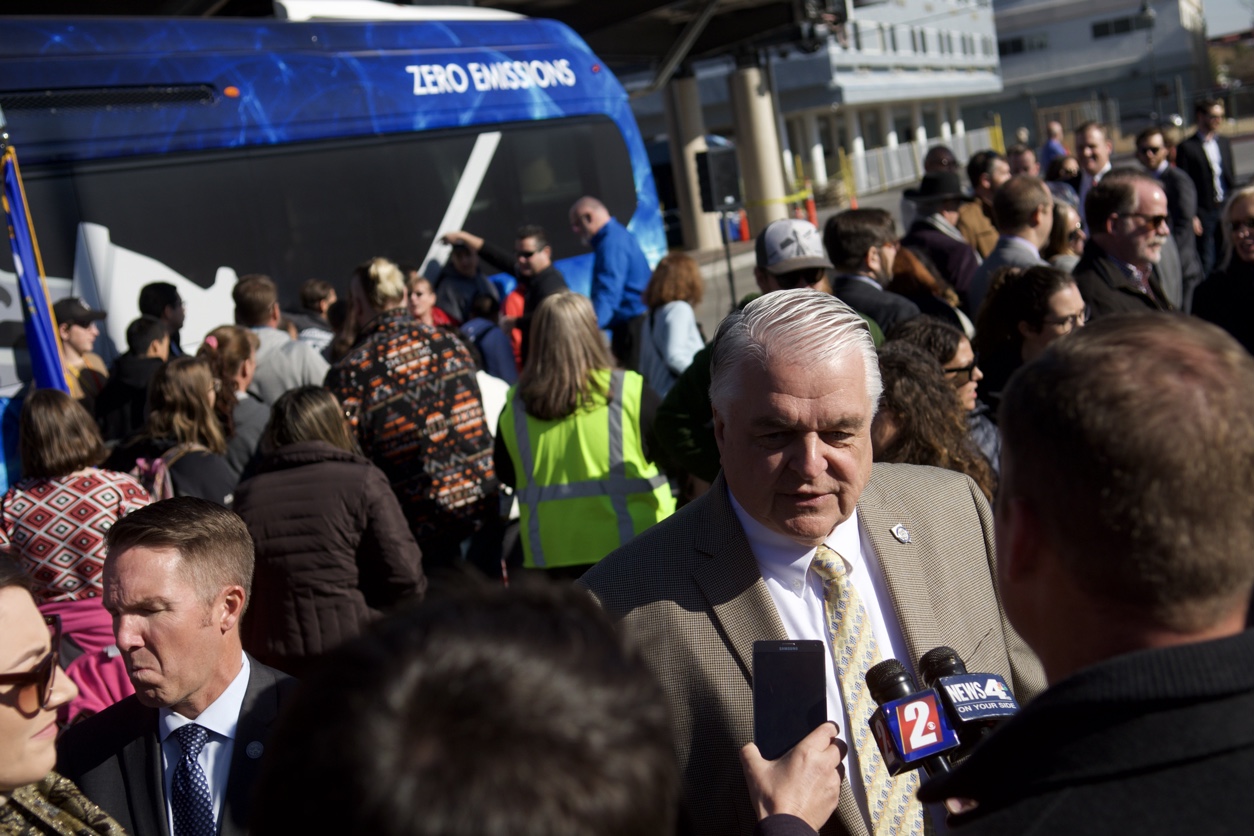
[688, 593]
[115, 757]
[1007, 253]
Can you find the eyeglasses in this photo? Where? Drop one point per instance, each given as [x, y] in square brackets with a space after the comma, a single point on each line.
[524, 253]
[1236, 227]
[967, 371]
[1154, 221]
[1077, 233]
[1070, 323]
[1150, 149]
[36, 684]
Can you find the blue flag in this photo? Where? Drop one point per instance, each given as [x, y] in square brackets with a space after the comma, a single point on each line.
[42, 338]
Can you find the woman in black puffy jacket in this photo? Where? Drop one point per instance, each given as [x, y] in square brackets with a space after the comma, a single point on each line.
[333, 548]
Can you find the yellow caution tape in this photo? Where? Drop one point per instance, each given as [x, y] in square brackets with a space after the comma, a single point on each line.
[804, 194]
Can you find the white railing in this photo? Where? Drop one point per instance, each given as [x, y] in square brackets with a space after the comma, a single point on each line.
[881, 169]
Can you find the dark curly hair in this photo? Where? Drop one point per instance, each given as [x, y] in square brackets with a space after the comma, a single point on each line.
[1016, 295]
[931, 423]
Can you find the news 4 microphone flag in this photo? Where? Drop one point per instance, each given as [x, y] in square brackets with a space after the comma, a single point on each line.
[41, 334]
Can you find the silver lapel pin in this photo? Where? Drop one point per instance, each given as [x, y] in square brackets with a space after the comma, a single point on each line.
[901, 533]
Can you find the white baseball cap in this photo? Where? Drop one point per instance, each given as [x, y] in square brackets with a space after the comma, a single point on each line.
[790, 244]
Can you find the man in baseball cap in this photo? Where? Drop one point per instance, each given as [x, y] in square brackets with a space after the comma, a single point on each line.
[789, 255]
[85, 372]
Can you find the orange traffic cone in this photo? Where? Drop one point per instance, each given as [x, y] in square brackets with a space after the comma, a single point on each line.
[812, 211]
[744, 225]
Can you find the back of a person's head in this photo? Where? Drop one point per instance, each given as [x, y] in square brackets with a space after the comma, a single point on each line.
[1132, 440]
[178, 404]
[1016, 201]
[255, 296]
[313, 293]
[57, 436]
[566, 347]
[143, 332]
[485, 306]
[850, 234]
[307, 413]
[935, 336]
[677, 278]
[381, 282]
[154, 298]
[486, 712]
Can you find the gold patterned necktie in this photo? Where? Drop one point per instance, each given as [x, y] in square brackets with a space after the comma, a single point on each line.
[891, 801]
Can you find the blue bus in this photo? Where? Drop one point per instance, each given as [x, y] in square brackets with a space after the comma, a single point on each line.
[194, 151]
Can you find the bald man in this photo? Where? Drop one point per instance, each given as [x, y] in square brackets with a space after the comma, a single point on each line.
[620, 271]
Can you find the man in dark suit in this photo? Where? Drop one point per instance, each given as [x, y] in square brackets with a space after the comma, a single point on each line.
[179, 757]
[800, 539]
[1207, 158]
[1152, 150]
[1123, 549]
[1128, 230]
[862, 244]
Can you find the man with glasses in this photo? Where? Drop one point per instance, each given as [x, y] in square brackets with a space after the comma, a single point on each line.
[862, 244]
[1207, 158]
[1153, 151]
[1128, 230]
[531, 263]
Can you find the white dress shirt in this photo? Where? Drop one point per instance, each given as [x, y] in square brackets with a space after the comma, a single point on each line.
[1211, 147]
[798, 596]
[220, 720]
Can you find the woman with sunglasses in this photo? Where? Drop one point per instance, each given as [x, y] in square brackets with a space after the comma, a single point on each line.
[1066, 239]
[33, 798]
[1227, 296]
[961, 367]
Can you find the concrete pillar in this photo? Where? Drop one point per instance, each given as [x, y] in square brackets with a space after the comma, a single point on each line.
[959, 127]
[814, 145]
[920, 128]
[757, 146]
[890, 127]
[942, 113]
[685, 128]
[857, 147]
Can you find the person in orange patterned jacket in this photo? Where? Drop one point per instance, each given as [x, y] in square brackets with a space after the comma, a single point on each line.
[410, 393]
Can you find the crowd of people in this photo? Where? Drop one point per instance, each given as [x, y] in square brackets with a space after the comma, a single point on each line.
[1001, 432]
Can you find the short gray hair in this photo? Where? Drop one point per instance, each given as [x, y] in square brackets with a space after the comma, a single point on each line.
[791, 323]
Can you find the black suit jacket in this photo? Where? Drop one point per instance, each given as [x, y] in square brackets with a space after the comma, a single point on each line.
[1191, 158]
[115, 757]
[1106, 290]
[884, 306]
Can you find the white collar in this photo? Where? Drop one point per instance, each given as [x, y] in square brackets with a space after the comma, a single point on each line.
[222, 715]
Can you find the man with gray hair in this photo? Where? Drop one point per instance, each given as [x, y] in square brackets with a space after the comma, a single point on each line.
[797, 530]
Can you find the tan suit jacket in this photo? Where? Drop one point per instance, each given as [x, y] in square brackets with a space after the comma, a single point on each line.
[688, 592]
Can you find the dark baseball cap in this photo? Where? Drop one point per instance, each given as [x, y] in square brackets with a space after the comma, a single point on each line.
[72, 310]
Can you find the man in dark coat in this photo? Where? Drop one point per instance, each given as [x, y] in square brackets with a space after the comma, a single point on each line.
[1206, 157]
[1123, 560]
[1129, 226]
[1152, 150]
[940, 198]
[184, 750]
[862, 244]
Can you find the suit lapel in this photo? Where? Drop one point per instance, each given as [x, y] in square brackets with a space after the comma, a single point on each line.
[905, 566]
[739, 602]
[257, 714]
[143, 776]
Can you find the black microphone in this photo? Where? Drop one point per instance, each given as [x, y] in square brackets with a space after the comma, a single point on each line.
[909, 726]
[974, 703]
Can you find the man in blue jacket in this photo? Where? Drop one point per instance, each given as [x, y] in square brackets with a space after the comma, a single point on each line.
[620, 271]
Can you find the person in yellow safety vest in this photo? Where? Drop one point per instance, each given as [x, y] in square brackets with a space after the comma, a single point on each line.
[571, 443]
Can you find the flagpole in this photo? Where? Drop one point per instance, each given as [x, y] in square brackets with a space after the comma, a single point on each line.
[8, 159]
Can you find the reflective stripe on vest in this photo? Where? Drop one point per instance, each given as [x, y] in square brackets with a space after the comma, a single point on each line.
[617, 486]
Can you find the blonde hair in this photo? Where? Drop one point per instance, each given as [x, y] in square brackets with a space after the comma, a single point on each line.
[1244, 193]
[178, 405]
[382, 283]
[566, 347]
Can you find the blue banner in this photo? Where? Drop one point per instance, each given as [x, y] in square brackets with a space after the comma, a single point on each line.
[42, 339]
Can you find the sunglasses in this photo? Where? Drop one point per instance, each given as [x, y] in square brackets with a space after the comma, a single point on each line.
[35, 691]
[524, 253]
[965, 371]
[1241, 225]
[1154, 221]
[1148, 149]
